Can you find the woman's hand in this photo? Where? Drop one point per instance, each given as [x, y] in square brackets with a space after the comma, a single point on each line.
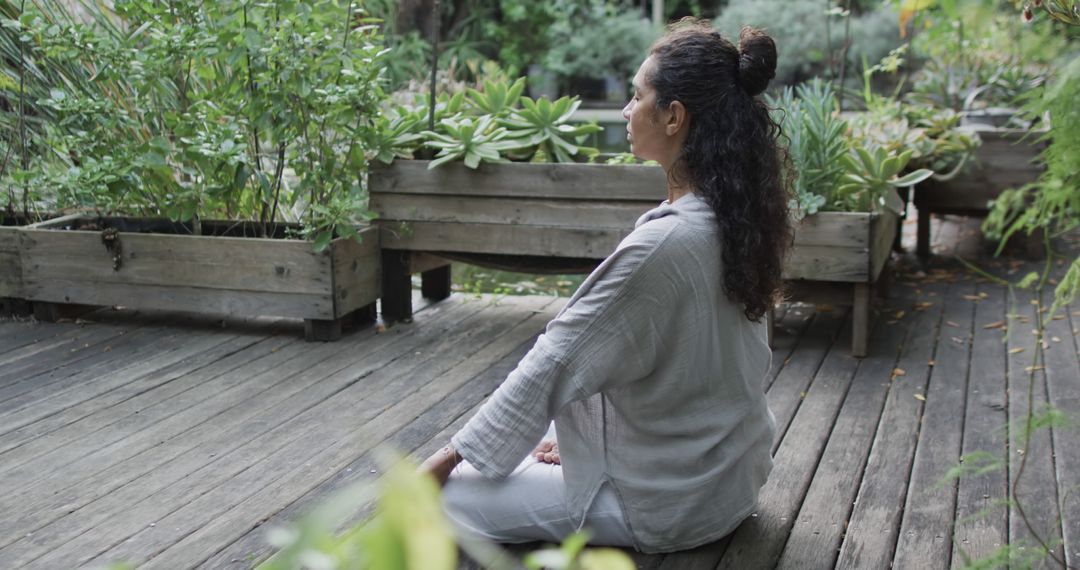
[441, 464]
[548, 452]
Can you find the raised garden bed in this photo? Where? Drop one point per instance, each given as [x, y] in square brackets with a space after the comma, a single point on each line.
[157, 264]
[837, 259]
[566, 218]
[538, 218]
[11, 295]
[1006, 159]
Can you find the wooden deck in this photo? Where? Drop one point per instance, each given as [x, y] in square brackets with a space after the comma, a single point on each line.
[173, 441]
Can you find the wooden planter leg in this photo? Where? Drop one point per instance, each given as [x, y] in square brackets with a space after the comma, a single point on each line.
[860, 320]
[365, 315]
[396, 286]
[435, 283]
[319, 330]
[922, 239]
[316, 330]
[10, 306]
[53, 312]
[1034, 248]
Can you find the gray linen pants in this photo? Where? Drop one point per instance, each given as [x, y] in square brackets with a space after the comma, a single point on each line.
[529, 505]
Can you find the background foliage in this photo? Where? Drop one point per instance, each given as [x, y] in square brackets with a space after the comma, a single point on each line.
[194, 109]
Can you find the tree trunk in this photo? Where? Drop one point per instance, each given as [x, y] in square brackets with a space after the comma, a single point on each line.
[415, 15]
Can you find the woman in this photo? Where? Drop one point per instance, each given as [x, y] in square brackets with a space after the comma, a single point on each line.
[653, 372]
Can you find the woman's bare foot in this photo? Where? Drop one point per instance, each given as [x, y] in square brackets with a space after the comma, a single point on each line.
[547, 452]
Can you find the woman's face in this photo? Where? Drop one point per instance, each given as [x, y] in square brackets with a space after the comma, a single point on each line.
[647, 128]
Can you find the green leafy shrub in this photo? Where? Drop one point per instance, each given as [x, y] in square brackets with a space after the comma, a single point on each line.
[494, 124]
[595, 39]
[799, 29]
[973, 55]
[834, 170]
[204, 109]
[1052, 203]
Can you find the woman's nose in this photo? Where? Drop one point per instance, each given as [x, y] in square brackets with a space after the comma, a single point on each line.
[626, 110]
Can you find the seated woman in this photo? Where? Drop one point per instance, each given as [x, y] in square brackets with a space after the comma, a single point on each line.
[654, 371]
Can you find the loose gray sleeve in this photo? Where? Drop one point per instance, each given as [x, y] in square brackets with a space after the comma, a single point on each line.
[610, 334]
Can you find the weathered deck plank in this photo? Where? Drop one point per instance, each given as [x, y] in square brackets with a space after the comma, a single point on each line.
[150, 355]
[84, 422]
[64, 348]
[1034, 514]
[870, 517]
[394, 406]
[759, 542]
[462, 381]
[180, 444]
[134, 468]
[1063, 371]
[981, 521]
[925, 539]
[786, 392]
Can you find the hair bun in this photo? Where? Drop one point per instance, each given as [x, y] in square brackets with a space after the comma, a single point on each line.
[757, 60]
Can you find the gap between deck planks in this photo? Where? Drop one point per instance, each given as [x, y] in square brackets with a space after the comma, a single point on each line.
[162, 454]
[499, 331]
[858, 445]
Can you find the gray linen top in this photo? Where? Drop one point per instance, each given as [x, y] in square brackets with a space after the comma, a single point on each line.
[655, 380]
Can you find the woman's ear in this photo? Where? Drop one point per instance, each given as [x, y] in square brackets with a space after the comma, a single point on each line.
[677, 118]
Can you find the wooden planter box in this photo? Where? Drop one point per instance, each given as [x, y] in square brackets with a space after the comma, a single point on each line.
[569, 217]
[10, 269]
[837, 258]
[1006, 159]
[12, 299]
[539, 218]
[66, 261]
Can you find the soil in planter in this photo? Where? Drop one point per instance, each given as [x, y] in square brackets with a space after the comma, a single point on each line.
[213, 228]
[18, 220]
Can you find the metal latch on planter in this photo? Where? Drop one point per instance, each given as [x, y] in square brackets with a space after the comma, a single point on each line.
[111, 238]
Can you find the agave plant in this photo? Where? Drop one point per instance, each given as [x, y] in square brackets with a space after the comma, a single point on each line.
[544, 124]
[816, 143]
[394, 136]
[497, 99]
[472, 141]
[871, 177]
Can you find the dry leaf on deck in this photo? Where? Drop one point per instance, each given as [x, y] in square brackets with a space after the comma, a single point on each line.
[995, 325]
[1017, 350]
[920, 397]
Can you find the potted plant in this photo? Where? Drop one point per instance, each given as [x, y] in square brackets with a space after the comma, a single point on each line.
[846, 202]
[221, 155]
[544, 212]
[22, 121]
[470, 203]
[985, 85]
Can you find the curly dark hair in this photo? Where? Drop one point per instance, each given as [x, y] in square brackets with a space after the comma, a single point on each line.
[732, 156]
